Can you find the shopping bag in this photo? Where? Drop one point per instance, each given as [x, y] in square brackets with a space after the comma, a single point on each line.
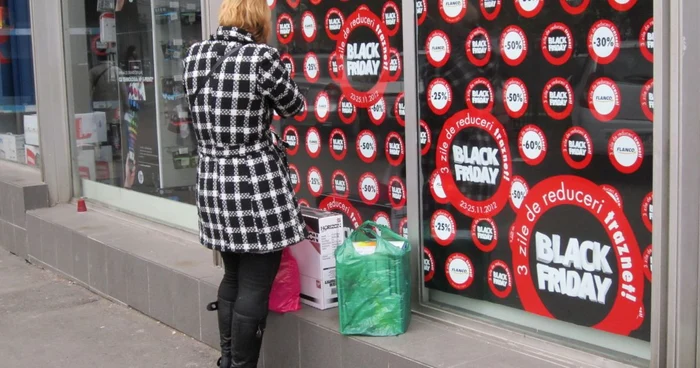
[284, 296]
[373, 277]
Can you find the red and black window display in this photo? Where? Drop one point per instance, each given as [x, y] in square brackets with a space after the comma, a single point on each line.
[536, 123]
[348, 147]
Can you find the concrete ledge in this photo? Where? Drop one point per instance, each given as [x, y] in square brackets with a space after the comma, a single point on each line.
[168, 276]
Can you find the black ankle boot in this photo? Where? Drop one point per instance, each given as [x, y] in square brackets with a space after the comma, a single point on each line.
[225, 315]
[247, 336]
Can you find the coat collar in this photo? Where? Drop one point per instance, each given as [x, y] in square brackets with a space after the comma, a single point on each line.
[232, 34]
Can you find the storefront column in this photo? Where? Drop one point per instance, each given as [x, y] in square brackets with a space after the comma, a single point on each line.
[51, 96]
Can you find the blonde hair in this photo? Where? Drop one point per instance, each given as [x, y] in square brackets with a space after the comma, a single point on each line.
[249, 15]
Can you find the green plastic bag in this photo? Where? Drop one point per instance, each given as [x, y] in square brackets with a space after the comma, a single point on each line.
[374, 282]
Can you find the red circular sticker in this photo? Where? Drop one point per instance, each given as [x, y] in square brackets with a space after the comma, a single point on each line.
[311, 68]
[490, 8]
[403, 227]
[340, 184]
[439, 96]
[459, 270]
[558, 98]
[489, 166]
[479, 95]
[339, 144]
[484, 234]
[313, 142]
[518, 192]
[308, 26]
[315, 2]
[366, 146]
[626, 151]
[391, 17]
[577, 148]
[500, 279]
[425, 138]
[646, 99]
[271, 3]
[394, 64]
[314, 181]
[428, 265]
[275, 115]
[382, 218]
[421, 11]
[343, 206]
[646, 40]
[334, 69]
[513, 45]
[303, 203]
[400, 109]
[291, 137]
[452, 11]
[346, 110]
[443, 228]
[334, 23]
[648, 210]
[478, 47]
[614, 193]
[397, 192]
[294, 177]
[574, 7]
[377, 112]
[369, 188]
[532, 144]
[626, 313]
[515, 97]
[394, 149]
[529, 8]
[436, 188]
[302, 113]
[288, 64]
[285, 29]
[603, 42]
[438, 48]
[604, 99]
[363, 53]
[622, 5]
[557, 44]
[647, 262]
[293, 3]
[322, 107]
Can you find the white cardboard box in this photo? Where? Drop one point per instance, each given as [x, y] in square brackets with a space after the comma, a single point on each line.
[12, 147]
[95, 163]
[91, 128]
[32, 155]
[316, 258]
[31, 130]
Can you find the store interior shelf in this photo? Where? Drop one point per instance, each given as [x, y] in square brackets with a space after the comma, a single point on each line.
[13, 109]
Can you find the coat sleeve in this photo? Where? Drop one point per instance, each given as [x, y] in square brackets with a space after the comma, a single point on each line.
[277, 85]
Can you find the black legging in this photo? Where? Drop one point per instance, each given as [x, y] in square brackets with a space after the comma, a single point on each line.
[248, 280]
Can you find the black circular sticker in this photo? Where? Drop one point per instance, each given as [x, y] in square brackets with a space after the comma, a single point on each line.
[288, 64]
[302, 113]
[558, 98]
[421, 11]
[425, 139]
[646, 99]
[394, 64]
[394, 149]
[479, 95]
[646, 40]
[490, 8]
[391, 17]
[400, 109]
[346, 110]
[334, 23]
[291, 137]
[339, 144]
[484, 234]
[500, 279]
[577, 148]
[397, 192]
[428, 265]
[285, 29]
[478, 47]
[294, 177]
[557, 44]
[340, 184]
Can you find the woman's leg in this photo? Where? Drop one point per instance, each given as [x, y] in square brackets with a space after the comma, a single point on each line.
[228, 291]
[256, 273]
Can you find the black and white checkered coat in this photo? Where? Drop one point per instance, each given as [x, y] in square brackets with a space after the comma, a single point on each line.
[245, 198]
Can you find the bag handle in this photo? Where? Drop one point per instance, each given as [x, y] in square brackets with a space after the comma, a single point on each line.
[368, 228]
[214, 68]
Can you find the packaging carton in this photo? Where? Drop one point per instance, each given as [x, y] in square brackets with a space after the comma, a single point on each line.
[31, 130]
[32, 155]
[316, 257]
[12, 147]
[91, 128]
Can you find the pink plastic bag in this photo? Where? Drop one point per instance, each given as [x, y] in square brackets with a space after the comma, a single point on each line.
[284, 296]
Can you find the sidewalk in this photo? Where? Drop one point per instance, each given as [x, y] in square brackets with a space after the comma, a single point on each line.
[46, 321]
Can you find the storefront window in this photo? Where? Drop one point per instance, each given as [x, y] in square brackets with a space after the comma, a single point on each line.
[539, 175]
[348, 146]
[132, 125]
[19, 128]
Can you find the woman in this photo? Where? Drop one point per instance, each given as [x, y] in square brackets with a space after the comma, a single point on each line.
[247, 209]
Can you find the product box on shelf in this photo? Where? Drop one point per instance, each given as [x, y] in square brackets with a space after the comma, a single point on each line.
[316, 258]
[12, 147]
[91, 128]
[95, 163]
[31, 130]
[32, 155]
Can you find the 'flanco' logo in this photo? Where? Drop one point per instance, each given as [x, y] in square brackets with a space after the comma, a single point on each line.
[308, 26]
[626, 151]
[459, 271]
[452, 11]
[604, 99]
[484, 168]
[578, 268]
[363, 53]
[438, 48]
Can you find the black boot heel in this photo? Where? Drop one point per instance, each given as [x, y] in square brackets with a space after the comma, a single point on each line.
[247, 336]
